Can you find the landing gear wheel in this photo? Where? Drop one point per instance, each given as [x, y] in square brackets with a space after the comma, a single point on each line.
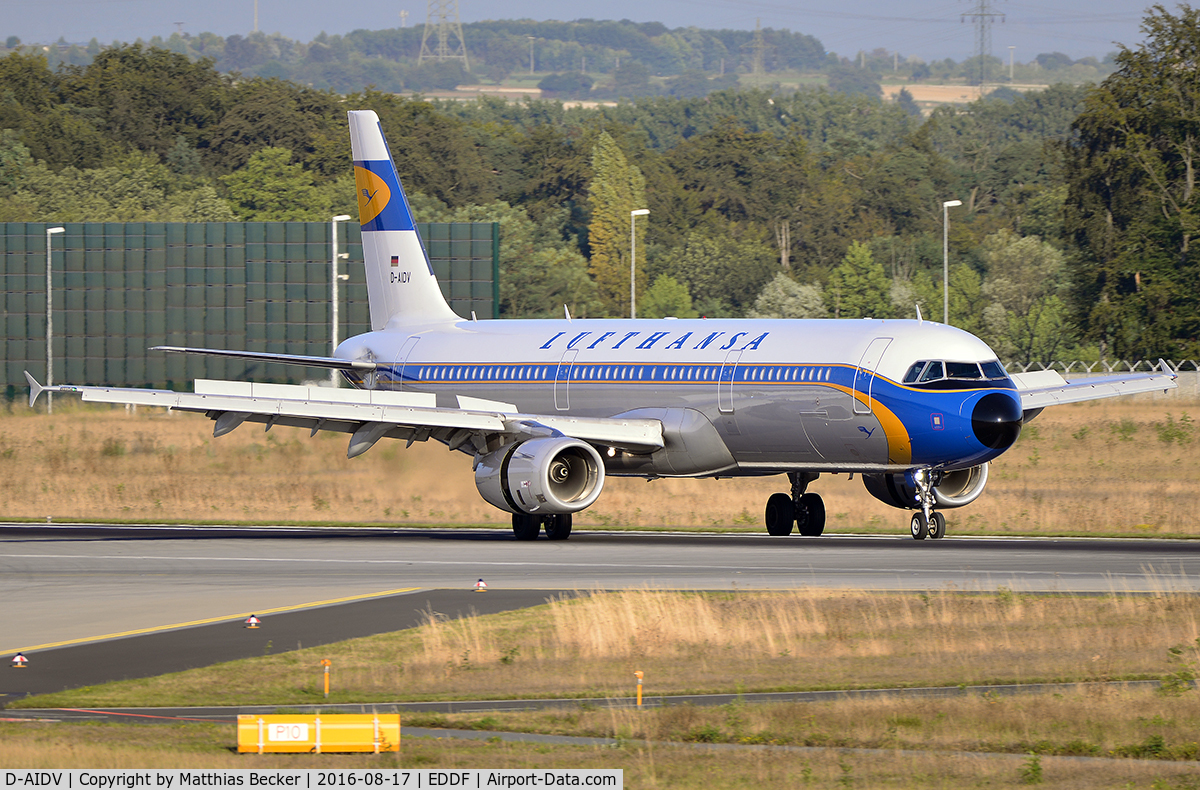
[526, 527]
[810, 515]
[780, 515]
[937, 527]
[558, 527]
[919, 526]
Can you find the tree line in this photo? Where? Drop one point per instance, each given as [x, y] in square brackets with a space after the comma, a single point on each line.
[585, 58]
[1074, 238]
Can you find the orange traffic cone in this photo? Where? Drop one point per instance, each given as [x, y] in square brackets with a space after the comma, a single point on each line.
[19, 661]
[252, 622]
[481, 586]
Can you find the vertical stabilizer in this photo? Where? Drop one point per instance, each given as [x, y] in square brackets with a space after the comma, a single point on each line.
[400, 280]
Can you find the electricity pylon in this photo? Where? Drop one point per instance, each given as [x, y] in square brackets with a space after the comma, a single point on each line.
[442, 23]
[983, 16]
[758, 50]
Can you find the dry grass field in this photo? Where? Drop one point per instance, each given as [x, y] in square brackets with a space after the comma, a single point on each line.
[645, 764]
[1124, 467]
[1096, 723]
[591, 645]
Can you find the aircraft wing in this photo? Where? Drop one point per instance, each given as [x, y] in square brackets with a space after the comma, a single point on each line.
[369, 415]
[1047, 388]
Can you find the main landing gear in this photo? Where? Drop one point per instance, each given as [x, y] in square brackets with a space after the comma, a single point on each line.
[804, 511]
[527, 527]
[925, 522]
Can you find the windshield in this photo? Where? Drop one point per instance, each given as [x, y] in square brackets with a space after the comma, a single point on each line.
[944, 374]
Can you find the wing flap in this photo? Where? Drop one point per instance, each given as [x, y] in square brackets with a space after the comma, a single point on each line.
[317, 394]
[628, 434]
[298, 405]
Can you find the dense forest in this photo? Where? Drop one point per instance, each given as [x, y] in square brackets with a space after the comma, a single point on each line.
[1073, 240]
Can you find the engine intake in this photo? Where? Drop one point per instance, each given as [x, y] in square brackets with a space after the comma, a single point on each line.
[955, 489]
[558, 475]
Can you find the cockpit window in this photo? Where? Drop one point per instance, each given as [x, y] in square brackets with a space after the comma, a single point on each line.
[933, 372]
[942, 375]
[993, 370]
[962, 370]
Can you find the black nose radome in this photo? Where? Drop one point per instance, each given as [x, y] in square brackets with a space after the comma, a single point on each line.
[996, 420]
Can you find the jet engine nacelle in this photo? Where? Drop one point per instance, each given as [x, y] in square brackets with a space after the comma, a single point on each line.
[556, 475]
[955, 489]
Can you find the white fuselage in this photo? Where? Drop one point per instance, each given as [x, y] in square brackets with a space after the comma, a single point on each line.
[782, 394]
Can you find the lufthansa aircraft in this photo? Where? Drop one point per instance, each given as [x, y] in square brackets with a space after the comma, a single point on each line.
[549, 408]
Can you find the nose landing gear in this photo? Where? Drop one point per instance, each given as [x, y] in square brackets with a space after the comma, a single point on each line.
[925, 522]
[933, 526]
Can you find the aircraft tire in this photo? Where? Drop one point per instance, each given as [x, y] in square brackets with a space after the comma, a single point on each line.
[919, 526]
[558, 527]
[937, 528]
[526, 527]
[780, 515]
[810, 516]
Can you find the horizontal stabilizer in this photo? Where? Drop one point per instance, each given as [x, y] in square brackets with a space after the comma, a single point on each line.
[283, 359]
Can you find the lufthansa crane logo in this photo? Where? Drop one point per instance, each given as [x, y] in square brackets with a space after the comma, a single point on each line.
[373, 194]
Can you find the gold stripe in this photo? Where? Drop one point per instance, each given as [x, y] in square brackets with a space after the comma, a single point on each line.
[899, 442]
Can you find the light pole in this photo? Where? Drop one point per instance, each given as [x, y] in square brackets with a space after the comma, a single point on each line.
[50, 323]
[530, 53]
[946, 206]
[333, 288]
[633, 215]
[1010, 62]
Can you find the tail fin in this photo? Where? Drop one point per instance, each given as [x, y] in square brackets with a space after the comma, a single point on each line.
[400, 279]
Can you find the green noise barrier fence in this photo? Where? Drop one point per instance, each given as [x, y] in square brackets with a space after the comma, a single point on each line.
[119, 288]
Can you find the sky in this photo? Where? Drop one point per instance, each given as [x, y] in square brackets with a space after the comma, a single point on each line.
[930, 30]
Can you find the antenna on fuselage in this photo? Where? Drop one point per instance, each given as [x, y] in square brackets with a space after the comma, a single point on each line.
[919, 319]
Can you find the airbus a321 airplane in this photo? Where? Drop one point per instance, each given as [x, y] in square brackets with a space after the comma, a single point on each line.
[550, 408]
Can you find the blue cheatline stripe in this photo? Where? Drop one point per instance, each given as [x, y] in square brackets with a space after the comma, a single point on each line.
[622, 373]
[684, 373]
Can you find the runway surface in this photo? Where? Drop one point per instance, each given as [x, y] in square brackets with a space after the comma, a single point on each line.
[63, 587]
